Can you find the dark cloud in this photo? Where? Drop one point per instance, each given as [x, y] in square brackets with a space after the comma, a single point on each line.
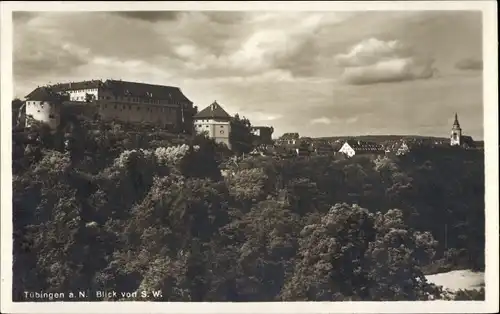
[226, 17]
[23, 16]
[55, 63]
[469, 64]
[150, 16]
[302, 61]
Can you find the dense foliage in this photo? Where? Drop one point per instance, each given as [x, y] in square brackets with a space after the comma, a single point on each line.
[101, 206]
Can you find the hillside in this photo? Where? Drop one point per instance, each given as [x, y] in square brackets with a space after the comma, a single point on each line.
[101, 206]
[384, 138]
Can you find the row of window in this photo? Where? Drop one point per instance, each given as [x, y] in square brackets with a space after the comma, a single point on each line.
[41, 103]
[135, 99]
[83, 90]
[138, 108]
[129, 99]
[206, 126]
[211, 121]
[79, 98]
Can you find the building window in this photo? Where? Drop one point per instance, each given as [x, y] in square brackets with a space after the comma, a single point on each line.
[130, 107]
[52, 116]
[138, 108]
[221, 126]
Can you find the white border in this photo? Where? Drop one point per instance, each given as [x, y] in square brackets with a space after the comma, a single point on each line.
[490, 81]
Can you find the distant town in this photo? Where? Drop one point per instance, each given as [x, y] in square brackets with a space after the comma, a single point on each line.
[169, 108]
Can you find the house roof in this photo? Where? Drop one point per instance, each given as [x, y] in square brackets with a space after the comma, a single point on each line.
[214, 111]
[479, 143]
[62, 87]
[127, 89]
[467, 140]
[133, 89]
[361, 145]
[42, 94]
[456, 124]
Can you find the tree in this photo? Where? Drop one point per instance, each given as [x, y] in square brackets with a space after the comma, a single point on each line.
[241, 137]
[330, 258]
[257, 254]
[133, 208]
[18, 111]
[395, 259]
[351, 254]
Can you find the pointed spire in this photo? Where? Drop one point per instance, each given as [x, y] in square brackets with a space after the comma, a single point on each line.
[455, 123]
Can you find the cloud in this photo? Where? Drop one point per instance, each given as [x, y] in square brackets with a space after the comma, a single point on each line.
[469, 64]
[375, 61]
[35, 57]
[337, 119]
[260, 116]
[283, 69]
[322, 120]
[149, 16]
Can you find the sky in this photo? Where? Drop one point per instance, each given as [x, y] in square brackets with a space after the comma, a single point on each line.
[317, 73]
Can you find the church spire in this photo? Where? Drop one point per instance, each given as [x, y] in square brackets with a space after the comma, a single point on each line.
[455, 123]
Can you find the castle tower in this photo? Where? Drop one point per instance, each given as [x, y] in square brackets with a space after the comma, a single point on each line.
[215, 122]
[456, 133]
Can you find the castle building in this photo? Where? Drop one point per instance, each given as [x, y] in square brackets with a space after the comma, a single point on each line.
[127, 102]
[43, 105]
[215, 122]
[456, 137]
[262, 134]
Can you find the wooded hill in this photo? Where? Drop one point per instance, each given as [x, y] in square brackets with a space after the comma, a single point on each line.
[99, 207]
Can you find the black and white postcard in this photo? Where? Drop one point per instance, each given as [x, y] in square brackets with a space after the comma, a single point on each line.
[249, 157]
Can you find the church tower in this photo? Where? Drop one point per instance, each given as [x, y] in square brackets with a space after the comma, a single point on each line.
[456, 133]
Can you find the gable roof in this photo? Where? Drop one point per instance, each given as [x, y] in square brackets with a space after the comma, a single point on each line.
[127, 89]
[42, 94]
[133, 89]
[62, 87]
[214, 111]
